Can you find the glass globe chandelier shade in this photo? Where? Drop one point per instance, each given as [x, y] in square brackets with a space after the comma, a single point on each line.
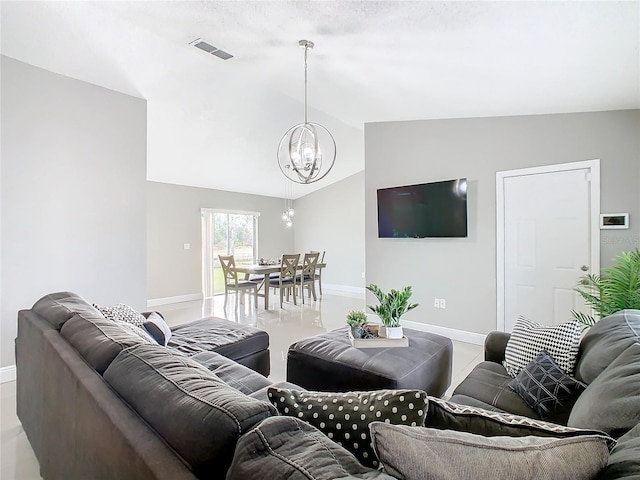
[300, 156]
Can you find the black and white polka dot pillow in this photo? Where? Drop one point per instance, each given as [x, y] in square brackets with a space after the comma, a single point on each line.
[345, 417]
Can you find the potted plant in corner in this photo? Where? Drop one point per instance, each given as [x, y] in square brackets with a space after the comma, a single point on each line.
[392, 306]
[357, 320]
[616, 289]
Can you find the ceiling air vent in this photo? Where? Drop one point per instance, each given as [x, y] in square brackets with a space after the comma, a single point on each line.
[207, 47]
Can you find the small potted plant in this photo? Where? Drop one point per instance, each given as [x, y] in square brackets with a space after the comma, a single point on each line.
[357, 320]
[392, 306]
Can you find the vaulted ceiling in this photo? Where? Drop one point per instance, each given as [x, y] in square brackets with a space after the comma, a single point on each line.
[217, 123]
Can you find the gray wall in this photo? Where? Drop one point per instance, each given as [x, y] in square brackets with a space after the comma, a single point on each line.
[73, 193]
[332, 219]
[463, 271]
[173, 219]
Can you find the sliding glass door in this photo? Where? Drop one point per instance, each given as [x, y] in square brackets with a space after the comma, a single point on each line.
[226, 233]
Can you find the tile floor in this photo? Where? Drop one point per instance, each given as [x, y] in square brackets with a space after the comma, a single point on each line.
[285, 326]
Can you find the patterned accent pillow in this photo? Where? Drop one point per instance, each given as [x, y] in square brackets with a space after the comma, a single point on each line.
[158, 328]
[545, 387]
[445, 415]
[418, 453]
[139, 331]
[529, 338]
[345, 417]
[122, 313]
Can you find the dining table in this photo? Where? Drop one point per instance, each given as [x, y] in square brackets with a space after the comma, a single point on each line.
[265, 270]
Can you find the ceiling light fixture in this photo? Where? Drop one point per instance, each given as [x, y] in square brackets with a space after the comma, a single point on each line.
[289, 212]
[300, 152]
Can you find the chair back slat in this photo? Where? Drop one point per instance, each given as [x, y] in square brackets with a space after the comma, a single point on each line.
[309, 264]
[228, 263]
[321, 259]
[289, 266]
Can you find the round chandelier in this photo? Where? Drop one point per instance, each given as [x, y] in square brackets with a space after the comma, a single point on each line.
[307, 150]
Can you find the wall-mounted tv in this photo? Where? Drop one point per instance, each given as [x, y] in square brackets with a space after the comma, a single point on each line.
[437, 209]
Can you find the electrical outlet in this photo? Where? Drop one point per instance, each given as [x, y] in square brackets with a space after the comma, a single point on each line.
[186, 246]
[443, 303]
[436, 303]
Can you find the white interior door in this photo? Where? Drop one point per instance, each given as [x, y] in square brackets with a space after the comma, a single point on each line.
[547, 239]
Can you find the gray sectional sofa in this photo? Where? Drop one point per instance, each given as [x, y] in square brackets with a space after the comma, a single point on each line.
[608, 362]
[99, 402]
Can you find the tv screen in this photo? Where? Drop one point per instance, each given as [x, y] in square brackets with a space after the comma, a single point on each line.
[437, 209]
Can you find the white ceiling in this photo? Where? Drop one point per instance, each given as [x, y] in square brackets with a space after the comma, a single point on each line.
[217, 124]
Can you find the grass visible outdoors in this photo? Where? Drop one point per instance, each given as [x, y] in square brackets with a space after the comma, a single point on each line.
[218, 280]
[243, 255]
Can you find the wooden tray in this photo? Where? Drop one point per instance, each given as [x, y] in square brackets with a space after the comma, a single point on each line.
[378, 342]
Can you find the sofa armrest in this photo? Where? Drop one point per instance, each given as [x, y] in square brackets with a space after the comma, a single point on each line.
[495, 345]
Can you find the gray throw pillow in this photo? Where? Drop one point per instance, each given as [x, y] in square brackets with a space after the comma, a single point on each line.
[157, 328]
[345, 417]
[546, 388]
[529, 338]
[420, 453]
[445, 415]
[611, 402]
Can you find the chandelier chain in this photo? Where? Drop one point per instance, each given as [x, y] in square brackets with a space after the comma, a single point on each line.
[306, 49]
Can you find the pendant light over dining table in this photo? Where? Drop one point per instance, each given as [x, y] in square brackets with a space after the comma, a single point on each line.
[307, 150]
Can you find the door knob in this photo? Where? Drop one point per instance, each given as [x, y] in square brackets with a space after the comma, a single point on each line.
[584, 268]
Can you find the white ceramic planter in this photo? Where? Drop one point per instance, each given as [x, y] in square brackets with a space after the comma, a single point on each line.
[393, 332]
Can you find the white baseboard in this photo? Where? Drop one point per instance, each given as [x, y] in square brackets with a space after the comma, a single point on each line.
[7, 374]
[452, 333]
[192, 297]
[343, 289]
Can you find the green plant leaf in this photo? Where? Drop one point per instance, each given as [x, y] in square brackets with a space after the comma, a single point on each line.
[392, 305]
[617, 288]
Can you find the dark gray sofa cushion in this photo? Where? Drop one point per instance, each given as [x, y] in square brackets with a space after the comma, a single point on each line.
[233, 374]
[611, 403]
[287, 448]
[624, 460]
[605, 341]
[59, 307]
[97, 339]
[196, 413]
[219, 335]
[488, 382]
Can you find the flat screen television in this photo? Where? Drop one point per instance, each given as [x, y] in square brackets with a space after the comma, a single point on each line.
[437, 209]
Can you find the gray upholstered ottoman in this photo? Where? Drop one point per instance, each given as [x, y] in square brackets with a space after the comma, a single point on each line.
[328, 362]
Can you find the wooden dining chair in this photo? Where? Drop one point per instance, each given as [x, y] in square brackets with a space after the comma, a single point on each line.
[231, 282]
[318, 274]
[287, 279]
[307, 277]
